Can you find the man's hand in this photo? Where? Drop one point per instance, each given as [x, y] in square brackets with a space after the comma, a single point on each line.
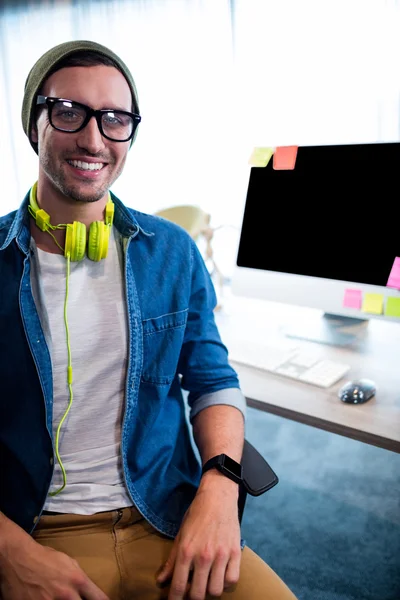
[208, 542]
[34, 572]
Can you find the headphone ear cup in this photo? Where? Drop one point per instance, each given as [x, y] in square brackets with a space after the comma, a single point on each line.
[75, 241]
[99, 234]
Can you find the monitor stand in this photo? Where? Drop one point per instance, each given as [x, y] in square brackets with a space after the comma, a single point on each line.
[336, 330]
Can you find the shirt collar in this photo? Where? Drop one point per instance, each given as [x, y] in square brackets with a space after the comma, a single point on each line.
[19, 230]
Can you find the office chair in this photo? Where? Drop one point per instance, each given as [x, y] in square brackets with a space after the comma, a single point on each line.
[257, 473]
[197, 223]
[189, 216]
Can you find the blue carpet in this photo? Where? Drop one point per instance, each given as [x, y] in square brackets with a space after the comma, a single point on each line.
[331, 527]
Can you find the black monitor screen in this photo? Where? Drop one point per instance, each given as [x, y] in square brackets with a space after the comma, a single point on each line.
[336, 215]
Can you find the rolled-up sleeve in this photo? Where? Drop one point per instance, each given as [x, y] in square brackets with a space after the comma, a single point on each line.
[229, 396]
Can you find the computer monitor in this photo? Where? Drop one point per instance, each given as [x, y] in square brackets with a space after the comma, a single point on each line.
[324, 235]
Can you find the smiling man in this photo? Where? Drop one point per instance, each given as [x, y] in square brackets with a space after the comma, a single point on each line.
[107, 314]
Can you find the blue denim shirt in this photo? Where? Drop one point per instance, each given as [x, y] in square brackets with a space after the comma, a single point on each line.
[173, 345]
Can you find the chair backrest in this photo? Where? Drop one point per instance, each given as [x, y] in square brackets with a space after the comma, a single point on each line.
[192, 218]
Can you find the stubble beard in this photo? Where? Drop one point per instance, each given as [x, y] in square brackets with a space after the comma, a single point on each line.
[88, 195]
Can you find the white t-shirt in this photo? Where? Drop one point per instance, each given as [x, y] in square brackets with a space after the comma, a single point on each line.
[90, 437]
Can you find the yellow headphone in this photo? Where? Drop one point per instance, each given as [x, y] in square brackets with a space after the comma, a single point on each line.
[75, 238]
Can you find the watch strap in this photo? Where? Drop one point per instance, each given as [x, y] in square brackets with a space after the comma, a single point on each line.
[225, 465]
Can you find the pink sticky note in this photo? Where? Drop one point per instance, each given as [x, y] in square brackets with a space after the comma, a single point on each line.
[284, 158]
[352, 299]
[394, 277]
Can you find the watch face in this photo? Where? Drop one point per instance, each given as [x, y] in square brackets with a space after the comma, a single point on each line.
[232, 466]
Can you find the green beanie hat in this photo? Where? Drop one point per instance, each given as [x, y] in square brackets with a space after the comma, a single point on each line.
[46, 64]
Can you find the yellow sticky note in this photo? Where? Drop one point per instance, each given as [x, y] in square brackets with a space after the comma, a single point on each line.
[260, 157]
[373, 303]
[392, 307]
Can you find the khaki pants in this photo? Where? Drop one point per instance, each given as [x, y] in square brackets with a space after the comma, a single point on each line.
[122, 554]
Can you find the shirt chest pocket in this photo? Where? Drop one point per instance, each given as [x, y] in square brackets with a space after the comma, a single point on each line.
[162, 343]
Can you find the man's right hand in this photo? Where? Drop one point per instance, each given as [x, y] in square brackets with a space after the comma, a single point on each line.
[34, 572]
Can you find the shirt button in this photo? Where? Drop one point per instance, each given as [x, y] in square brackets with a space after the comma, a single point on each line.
[51, 461]
[35, 520]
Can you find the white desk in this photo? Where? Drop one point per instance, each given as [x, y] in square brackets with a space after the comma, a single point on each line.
[376, 356]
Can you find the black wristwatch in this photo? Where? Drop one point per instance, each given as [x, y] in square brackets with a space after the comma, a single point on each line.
[225, 465]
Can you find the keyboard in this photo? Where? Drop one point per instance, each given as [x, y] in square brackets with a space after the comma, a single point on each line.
[288, 360]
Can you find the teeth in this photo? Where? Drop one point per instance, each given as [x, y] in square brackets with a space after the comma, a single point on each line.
[86, 166]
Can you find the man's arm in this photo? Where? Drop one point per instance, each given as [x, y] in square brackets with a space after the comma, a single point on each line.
[219, 430]
[208, 543]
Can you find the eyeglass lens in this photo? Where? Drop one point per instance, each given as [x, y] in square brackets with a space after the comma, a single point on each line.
[68, 116]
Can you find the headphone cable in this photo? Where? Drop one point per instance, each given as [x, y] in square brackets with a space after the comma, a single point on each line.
[69, 379]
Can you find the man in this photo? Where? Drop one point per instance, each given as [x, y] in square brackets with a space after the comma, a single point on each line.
[106, 315]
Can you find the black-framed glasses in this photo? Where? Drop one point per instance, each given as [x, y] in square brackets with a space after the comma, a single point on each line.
[70, 117]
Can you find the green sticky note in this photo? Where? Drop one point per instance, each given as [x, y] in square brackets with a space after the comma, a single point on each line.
[260, 157]
[392, 307]
[373, 303]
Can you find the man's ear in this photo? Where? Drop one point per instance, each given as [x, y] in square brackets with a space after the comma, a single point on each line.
[34, 134]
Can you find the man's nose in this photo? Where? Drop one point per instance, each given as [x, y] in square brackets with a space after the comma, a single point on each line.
[90, 138]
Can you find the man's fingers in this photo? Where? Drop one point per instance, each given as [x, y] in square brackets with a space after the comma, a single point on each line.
[198, 586]
[216, 581]
[232, 572]
[167, 569]
[90, 591]
[179, 584]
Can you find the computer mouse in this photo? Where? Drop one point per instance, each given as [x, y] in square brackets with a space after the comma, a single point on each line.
[357, 391]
